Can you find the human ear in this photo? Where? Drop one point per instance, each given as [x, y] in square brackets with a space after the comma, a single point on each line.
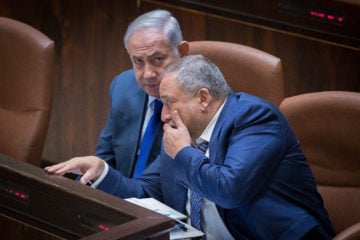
[204, 97]
[183, 48]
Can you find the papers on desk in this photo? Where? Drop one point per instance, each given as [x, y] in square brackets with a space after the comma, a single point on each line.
[157, 206]
[181, 229]
[184, 231]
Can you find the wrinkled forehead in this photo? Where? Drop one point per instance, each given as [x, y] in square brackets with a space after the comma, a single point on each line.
[143, 45]
[147, 33]
[168, 85]
[147, 37]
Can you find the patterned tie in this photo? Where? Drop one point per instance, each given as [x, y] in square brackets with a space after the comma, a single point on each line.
[148, 138]
[195, 198]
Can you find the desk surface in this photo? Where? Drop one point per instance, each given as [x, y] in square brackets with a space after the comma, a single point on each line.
[62, 207]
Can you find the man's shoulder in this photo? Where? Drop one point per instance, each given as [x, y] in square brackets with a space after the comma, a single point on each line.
[125, 76]
[245, 100]
[245, 107]
[125, 86]
[125, 81]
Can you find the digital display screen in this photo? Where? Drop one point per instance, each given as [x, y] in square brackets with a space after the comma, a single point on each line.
[14, 191]
[332, 20]
[317, 10]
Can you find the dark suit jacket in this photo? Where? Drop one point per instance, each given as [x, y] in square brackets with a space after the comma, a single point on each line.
[256, 175]
[120, 139]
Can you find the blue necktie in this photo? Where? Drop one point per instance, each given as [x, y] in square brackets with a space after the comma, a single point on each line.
[195, 198]
[148, 138]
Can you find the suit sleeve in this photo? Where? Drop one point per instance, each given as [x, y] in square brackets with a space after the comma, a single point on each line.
[147, 185]
[243, 159]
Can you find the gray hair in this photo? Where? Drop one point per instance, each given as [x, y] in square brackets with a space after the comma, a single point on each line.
[159, 20]
[196, 71]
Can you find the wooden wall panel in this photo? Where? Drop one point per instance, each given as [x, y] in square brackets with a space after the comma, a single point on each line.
[88, 36]
[309, 64]
[92, 53]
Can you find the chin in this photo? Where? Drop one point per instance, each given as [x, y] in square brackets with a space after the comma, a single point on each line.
[154, 92]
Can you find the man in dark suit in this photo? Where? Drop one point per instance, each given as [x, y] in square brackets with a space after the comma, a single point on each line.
[153, 41]
[253, 179]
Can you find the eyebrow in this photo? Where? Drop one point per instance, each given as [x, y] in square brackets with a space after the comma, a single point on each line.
[150, 56]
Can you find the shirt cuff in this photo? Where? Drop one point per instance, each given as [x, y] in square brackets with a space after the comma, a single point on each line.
[102, 176]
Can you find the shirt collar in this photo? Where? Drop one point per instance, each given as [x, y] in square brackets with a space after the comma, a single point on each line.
[150, 101]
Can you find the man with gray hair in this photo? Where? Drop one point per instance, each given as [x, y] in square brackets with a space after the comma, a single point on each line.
[153, 41]
[230, 161]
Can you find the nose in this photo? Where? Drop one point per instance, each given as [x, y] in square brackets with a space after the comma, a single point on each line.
[165, 114]
[149, 71]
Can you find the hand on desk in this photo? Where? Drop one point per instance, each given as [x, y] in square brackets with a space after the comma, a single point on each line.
[90, 167]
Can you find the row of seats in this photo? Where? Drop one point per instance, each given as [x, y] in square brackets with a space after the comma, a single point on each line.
[326, 123]
[328, 127]
[27, 62]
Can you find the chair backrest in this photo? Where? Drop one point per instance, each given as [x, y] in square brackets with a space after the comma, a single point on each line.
[27, 62]
[327, 125]
[246, 69]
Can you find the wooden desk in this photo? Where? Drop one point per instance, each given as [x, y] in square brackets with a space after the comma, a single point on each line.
[61, 207]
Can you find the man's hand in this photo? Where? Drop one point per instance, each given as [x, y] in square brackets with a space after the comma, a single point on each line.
[176, 135]
[91, 167]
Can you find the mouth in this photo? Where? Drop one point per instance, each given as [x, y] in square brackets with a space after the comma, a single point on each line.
[152, 85]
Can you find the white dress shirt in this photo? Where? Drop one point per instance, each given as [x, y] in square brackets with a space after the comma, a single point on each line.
[212, 223]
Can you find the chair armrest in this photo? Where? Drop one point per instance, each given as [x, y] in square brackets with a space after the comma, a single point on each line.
[350, 233]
